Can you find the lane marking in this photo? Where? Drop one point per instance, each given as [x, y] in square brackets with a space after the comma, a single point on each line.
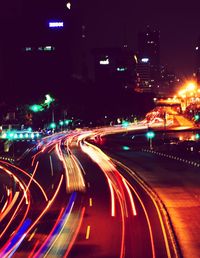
[51, 165]
[90, 202]
[87, 232]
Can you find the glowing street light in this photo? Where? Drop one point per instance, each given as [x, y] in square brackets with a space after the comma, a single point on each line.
[150, 135]
[196, 117]
[36, 108]
[48, 100]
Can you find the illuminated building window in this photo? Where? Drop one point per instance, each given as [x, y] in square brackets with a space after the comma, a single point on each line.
[104, 62]
[121, 69]
[46, 48]
[145, 60]
[56, 24]
[28, 49]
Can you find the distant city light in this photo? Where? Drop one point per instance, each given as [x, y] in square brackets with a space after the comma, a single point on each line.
[46, 48]
[197, 48]
[145, 60]
[121, 69]
[104, 62]
[136, 60]
[56, 24]
[28, 49]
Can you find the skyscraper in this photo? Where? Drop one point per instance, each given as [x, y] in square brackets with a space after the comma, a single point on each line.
[148, 59]
[197, 60]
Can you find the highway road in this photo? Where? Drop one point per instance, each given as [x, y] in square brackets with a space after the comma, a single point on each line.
[66, 198]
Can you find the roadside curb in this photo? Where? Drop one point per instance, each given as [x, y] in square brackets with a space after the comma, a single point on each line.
[164, 213]
[160, 206]
[193, 163]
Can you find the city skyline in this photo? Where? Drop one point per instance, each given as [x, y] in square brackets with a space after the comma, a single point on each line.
[110, 23]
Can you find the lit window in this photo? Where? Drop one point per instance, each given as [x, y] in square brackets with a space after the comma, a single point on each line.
[104, 62]
[56, 24]
[121, 69]
[28, 49]
[145, 60]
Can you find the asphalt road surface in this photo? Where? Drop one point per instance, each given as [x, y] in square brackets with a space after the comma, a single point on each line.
[67, 198]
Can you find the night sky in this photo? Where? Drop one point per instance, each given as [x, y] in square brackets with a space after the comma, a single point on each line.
[179, 26]
[109, 22]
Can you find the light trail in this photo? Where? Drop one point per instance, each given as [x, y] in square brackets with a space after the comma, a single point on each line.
[36, 254]
[56, 242]
[25, 173]
[112, 198]
[73, 173]
[131, 197]
[130, 172]
[24, 196]
[76, 233]
[88, 232]
[42, 213]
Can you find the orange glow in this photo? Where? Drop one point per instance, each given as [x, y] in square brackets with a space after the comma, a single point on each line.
[88, 232]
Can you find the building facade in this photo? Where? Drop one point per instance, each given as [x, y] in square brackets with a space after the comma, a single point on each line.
[148, 67]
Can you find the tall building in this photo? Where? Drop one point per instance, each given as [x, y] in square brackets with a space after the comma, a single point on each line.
[148, 67]
[41, 47]
[197, 60]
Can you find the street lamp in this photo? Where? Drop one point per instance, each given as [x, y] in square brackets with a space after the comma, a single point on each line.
[36, 108]
[150, 135]
[189, 90]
